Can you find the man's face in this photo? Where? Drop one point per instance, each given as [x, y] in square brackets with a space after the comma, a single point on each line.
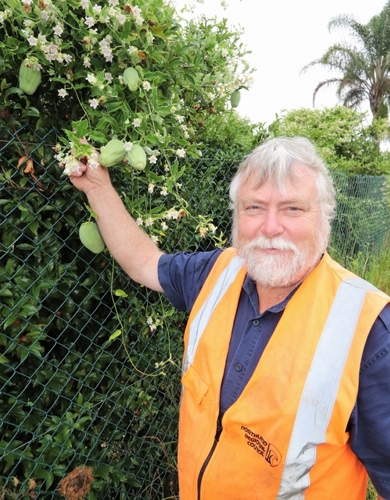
[280, 235]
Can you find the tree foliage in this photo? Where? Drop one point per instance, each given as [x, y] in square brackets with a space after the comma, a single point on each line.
[187, 71]
[363, 66]
[341, 136]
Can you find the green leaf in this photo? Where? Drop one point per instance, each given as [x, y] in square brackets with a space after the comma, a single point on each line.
[103, 471]
[120, 293]
[10, 320]
[115, 335]
[81, 128]
[98, 137]
[34, 227]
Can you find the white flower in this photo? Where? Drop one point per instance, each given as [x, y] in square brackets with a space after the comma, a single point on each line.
[68, 58]
[151, 188]
[84, 4]
[107, 53]
[128, 146]
[93, 164]
[108, 77]
[225, 52]
[139, 221]
[149, 222]
[154, 238]
[121, 18]
[62, 93]
[132, 49]
[32, 41]
[58, 30]
[96, 8]
[136, 122]
[113, 2]
[164, 191]
[180, 119]
[164, 225]
[89, 21]
[94, 103]
[146, 85]
[136, 11]
[91, 78]
[71, 165]
[172, 214]
[139, 20]
[153, 159]
[42, 39]
[181, 153]
[87, 62]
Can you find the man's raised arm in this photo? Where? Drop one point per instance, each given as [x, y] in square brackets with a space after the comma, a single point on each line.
[130, 246]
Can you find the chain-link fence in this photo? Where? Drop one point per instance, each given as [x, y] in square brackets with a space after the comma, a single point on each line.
[90, 377]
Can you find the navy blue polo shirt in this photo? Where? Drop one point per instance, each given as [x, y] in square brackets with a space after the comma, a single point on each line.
[182, 276]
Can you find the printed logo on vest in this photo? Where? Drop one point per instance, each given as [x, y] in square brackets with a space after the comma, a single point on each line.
[265, 449]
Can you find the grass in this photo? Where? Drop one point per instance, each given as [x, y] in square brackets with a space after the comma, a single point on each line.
[373, 268]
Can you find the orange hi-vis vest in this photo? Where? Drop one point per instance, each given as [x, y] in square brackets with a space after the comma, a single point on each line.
[285, 436]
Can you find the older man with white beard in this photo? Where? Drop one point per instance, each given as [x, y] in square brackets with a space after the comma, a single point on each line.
[286, 371]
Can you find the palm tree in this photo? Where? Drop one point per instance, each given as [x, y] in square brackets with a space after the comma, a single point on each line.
[364, 66]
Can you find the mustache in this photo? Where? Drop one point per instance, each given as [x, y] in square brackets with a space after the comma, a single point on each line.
[277, 243]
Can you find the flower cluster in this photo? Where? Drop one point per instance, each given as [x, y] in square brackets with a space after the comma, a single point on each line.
[184, 73]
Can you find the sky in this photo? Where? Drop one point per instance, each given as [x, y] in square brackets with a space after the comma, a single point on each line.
[284, 36]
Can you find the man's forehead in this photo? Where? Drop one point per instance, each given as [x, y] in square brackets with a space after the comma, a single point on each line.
[299, 175]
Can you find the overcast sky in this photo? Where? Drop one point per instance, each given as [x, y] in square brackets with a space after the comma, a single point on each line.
[284, 36]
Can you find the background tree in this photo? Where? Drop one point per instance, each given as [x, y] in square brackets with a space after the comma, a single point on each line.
[341, 136]
[363, 66]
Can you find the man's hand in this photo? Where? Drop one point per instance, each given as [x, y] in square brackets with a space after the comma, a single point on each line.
[88, 179]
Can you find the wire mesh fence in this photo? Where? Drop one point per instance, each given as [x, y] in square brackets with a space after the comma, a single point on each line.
[76, 399]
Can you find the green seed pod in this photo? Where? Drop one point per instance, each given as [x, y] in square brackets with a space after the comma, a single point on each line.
[137, 157]
[29, 78]
[235, 99]
[90, 237]
[112, 153]
[131, 78]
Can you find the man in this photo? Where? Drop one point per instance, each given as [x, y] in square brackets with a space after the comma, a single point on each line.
[286, 372]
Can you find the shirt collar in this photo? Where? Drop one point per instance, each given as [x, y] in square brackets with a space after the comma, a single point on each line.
[249, 287]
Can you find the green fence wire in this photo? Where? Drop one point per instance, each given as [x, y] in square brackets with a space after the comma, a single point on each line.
[73, 399]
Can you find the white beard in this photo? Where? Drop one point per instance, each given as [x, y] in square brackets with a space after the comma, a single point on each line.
[281, 269]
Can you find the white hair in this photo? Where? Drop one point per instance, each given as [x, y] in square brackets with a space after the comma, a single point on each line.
[275, 158]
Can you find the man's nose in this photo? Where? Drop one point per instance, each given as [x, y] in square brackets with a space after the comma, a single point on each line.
[272, 225]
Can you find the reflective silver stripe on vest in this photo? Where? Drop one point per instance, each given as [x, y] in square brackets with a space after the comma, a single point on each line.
[321, 387]
[201, 320]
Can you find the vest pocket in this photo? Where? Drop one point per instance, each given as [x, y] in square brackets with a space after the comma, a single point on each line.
[193, 381]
